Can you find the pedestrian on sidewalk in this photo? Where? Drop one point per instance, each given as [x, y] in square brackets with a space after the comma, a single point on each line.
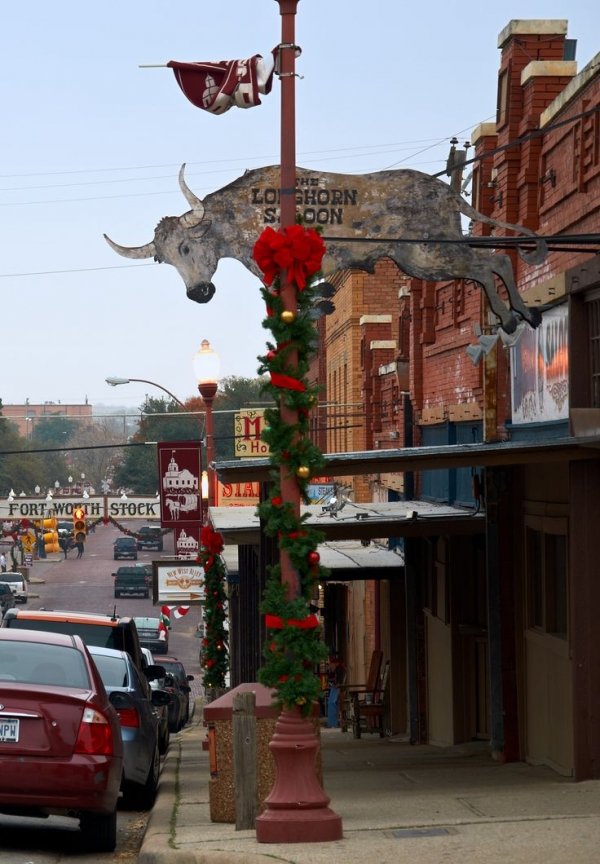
[3, 562]
[335, 679]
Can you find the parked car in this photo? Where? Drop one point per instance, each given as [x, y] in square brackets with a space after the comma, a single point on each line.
[60, 743]
[177, 701]
[176, 668]
[164, 733]
[135, 702]
[17, 584]
[125, 547]
[109, 631]
[150, 537]
[152, 635]
[7, 598]
[131, 581]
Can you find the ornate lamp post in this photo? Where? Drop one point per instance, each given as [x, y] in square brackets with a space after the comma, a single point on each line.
[207, 368]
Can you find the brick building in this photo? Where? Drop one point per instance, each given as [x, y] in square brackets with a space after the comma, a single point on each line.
[490, 625]
[501, 644]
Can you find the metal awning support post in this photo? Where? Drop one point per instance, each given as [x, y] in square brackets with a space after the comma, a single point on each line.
[296, 810]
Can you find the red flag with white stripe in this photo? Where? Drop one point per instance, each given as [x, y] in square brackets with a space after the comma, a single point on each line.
[217, 87]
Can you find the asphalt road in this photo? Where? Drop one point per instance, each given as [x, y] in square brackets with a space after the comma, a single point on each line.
[86, 585]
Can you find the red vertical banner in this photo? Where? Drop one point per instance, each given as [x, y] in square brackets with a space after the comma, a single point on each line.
[179, 474]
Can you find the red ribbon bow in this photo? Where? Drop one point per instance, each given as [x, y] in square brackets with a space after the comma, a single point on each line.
[297, 250]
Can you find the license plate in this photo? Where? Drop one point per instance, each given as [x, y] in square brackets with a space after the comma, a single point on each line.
[9, 730]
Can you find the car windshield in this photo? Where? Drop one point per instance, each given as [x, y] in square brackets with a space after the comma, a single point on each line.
[113, 670]
[92, 634]
[40, 663]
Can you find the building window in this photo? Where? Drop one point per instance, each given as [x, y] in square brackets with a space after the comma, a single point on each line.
[502, 105]
[547, 595]
[593, 306]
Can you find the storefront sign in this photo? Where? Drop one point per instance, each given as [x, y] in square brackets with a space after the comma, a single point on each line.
[237, 494]
[540, 371]
[248, 427]
[177, 582]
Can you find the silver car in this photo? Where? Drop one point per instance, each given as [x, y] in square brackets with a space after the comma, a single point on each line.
[137, 706]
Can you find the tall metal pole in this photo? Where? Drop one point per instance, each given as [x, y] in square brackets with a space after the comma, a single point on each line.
[287, 64]
[296, 809]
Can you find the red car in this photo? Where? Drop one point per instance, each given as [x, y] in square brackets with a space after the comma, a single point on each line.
[60, 738]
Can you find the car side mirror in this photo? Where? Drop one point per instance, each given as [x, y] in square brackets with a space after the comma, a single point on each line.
[153, 673]
[120, 701]
[190, 677]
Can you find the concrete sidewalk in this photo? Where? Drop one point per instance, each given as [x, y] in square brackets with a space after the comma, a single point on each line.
[397, 803]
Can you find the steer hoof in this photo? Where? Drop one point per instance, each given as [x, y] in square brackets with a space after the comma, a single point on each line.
[534, 316]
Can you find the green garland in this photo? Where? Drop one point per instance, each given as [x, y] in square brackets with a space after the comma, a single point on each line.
[294, 648]
[215, 656]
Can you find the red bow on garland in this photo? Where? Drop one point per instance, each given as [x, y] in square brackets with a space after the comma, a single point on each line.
[295, 249]
[211, 540]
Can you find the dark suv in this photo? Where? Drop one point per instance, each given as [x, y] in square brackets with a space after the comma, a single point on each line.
[150, 537]
[125, 547]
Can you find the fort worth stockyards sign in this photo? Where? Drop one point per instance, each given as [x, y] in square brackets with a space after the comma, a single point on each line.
[62, 508]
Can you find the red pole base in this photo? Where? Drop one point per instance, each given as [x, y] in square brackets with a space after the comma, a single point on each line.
[296, 810]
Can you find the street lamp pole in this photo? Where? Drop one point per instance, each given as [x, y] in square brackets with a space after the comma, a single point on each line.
[206, 367]
[114, 382]
[296, 809]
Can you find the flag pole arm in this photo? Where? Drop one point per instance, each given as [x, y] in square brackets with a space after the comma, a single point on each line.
[152, 66]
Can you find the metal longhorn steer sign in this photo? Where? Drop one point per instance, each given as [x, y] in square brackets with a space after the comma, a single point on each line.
[384, 207]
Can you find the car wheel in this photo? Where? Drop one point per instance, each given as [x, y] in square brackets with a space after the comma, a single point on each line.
[147, 793]
[99, 831]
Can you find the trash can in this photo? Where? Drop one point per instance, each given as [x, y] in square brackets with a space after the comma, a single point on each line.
[218, 717]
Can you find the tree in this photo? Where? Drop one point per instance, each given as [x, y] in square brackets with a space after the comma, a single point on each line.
[235, 394]
[19, 470]
[162, 420]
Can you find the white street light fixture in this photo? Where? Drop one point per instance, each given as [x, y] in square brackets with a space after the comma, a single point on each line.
[114, 382]
[37, 490]
[70, 479]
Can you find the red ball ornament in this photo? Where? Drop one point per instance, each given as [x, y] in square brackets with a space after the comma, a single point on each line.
[271, 355]
[277, 501]
[313, 558]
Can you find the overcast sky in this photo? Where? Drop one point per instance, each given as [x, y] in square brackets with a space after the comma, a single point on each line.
[91, 144]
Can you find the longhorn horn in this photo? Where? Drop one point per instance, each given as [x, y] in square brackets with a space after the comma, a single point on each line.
[195, 217]
[147, 251]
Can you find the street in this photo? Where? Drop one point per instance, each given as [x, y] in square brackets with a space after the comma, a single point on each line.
[86, 585]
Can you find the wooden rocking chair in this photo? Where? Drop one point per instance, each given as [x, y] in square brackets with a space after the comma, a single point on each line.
[368, 707]
[348, 691]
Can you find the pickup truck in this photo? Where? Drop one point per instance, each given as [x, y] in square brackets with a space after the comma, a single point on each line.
[132, 581]
[18, 585]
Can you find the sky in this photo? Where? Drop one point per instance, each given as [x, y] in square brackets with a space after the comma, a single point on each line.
[92, 144]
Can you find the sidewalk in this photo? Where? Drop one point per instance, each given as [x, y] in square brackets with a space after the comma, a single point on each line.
[398, 803]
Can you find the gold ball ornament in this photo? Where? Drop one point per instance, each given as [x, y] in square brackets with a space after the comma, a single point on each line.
[303, 471]
[287, 316]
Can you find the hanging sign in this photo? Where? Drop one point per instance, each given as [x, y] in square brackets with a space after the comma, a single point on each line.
[179, 473]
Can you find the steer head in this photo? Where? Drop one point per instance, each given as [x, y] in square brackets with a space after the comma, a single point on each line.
[178, 241]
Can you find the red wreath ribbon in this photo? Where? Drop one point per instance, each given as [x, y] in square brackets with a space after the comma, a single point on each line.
[276, 622]
[286, 382]
[211, 540]
[297, 250]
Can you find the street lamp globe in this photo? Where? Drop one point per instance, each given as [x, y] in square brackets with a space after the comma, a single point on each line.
[207, 367]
